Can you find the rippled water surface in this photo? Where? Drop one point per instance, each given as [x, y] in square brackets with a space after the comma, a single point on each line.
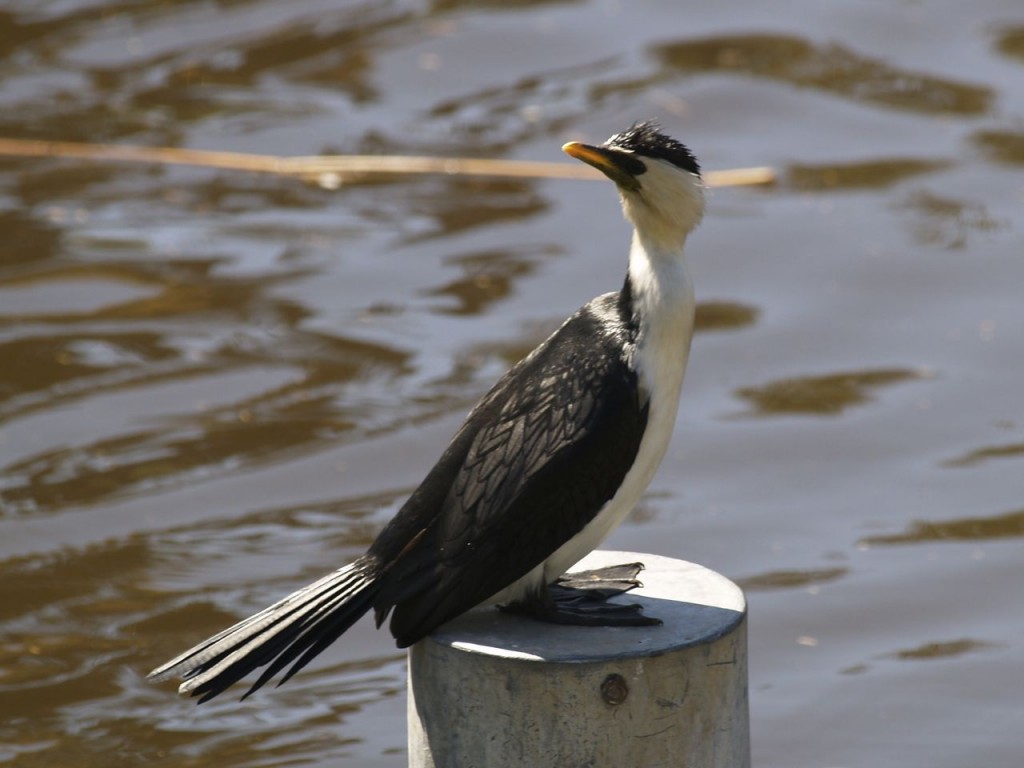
[215, 386]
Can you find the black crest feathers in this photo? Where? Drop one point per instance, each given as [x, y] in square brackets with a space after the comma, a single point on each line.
[646, 140]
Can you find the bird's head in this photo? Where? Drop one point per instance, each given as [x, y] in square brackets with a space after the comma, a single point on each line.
[658, 180]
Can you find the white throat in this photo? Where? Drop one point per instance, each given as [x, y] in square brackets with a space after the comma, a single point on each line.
[664, 304]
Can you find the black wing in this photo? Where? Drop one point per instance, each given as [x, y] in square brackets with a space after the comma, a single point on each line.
[534, 463]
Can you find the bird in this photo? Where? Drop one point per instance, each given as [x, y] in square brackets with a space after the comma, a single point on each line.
[544, 467]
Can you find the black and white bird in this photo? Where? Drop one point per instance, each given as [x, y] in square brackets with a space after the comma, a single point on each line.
[546, 465]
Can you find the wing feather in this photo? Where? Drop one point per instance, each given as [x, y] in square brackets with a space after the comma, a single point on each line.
[534, 463]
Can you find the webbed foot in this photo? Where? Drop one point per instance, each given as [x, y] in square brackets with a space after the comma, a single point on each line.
[581, 599]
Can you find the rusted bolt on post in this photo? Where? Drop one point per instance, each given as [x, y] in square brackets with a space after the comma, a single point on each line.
[614, 689]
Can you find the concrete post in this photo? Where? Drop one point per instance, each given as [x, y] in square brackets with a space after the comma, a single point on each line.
[492, 690]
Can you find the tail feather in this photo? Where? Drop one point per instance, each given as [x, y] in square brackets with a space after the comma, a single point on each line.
[305, 623]
[316, 633]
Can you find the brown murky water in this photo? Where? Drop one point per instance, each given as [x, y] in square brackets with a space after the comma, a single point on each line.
[216, 386]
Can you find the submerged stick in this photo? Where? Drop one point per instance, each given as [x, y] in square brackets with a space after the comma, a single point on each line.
[332, 171]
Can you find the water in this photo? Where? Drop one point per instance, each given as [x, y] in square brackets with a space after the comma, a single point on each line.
[216, 386]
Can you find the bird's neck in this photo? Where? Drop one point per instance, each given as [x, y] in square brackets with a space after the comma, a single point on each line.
[661, 296]
[659, 279]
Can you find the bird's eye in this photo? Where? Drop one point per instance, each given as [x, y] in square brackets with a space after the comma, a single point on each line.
[633, 165]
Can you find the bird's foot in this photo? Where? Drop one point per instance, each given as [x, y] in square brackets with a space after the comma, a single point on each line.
[608, 581]
[581, 599]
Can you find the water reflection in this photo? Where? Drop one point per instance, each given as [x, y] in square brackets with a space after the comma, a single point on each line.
[724, 315]
[144, 70]
[1003, 146]
[941, 650]
[203, 447]
[1010, 41]
[66, 614]
[335, 49]
[979, 455]
[26, 239]
[466, 203]
[773, 580]
[947, 222]
[28, 583]
[822, 395]
[871, 174]
[1005, 526]
[35, 364]
[67, 293]
[833, 68]
[20, 32]
[81, 624]
[488, 277]
[344, 526]
[51, 183]
[298, 406]
[301, 411]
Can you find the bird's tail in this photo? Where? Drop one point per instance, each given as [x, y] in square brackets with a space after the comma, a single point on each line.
[294, 629]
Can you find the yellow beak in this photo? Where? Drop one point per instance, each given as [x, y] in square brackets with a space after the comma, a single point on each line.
[621, 167]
